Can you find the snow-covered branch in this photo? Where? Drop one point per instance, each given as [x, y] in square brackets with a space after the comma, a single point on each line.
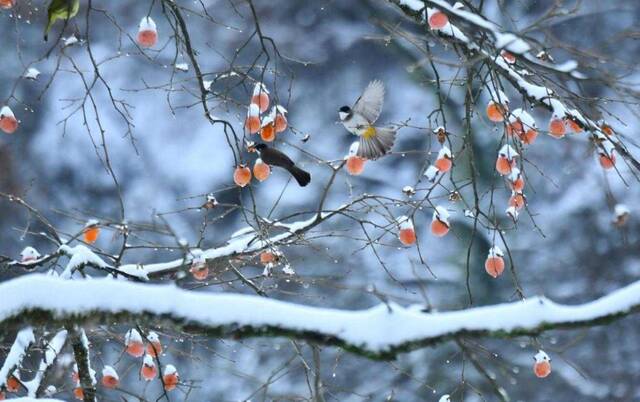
[365, 332]
[538, 95]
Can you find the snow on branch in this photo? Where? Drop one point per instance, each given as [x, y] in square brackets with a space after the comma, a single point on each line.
[537, 94]
[365, 332]
[52, 349]
[243, 241]
[18, 350]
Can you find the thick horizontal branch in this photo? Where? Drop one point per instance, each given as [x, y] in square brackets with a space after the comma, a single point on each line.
[380, 332]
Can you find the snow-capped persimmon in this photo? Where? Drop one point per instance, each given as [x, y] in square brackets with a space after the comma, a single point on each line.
[542, 365]
[407, 236]
[514, 128]
[440, 222]
[494, 264]
[200, 272]
[573, 125]
[90, 233]
[242, 175]
[8, 121]
[268, 132]
[110, 378]
[508, 57]
[517, 200]
[261, 170]
[154, 347]
[170, 377]
[496, 112]
[557, 128]
[268, 257]
[522, 126]
[133, 343]
[607, 161]
[355, 165]
[78, 393]
[260, 97]
[503, 165]
[7, 4]
[443, 162]
[280, 122]
[147, 32]
[607, 129]
[148, 370]
[12, 384]
[516, 181]
[252, 124]
[506, 160]
[438, 19]
[407, 233]
[529, 136]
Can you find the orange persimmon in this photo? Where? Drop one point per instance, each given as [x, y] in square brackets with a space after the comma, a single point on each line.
[443, 164]
[12, 384]
[496, 112]
[252, 124]
[439, 228]
[268, 132]
[438, 20]
[91, 233]
[508, 57]
[355, 165]
[494, 265]
[262, 100]
[557, 128]
[607, 162]
[504, 165]
[407, 236]
[148, 370]
[261, 170]
[78, 393]
[517, 201]
[542, 369]
[170, 378]
[242, 176]
[280, 122]
[7, 4]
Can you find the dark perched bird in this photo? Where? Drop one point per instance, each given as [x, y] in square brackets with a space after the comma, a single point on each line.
[360, 119]
[273, 157]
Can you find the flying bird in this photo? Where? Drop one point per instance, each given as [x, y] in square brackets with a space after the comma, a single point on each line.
[360, 118]
[60, 10]
[273, 157]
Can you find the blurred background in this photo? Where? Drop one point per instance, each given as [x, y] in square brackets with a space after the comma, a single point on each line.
[566, 245]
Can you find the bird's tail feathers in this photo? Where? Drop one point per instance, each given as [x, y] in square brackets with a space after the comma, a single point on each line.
[302, 177]
[375, 146]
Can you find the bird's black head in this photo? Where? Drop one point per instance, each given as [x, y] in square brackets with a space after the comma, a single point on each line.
[344, 112]
[260, 147]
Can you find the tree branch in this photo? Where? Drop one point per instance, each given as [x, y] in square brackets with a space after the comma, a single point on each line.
[380, 332]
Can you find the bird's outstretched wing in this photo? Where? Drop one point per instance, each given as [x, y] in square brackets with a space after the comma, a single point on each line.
[369, 104]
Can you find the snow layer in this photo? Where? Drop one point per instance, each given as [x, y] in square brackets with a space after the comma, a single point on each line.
[366, 329]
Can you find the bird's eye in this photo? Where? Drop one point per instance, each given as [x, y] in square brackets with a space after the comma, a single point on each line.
[345, 109]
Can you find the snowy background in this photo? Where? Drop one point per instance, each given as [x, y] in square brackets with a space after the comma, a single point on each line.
[565, 248]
